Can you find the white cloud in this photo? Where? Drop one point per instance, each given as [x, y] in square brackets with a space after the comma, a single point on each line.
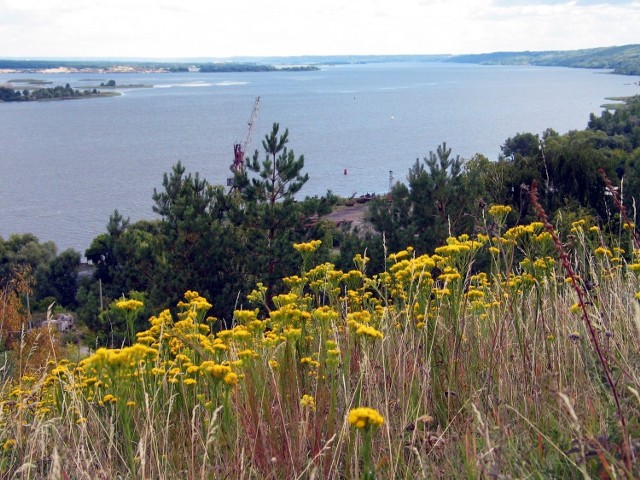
[183, 28]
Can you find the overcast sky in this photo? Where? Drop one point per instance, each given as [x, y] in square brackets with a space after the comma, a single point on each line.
[213, 28]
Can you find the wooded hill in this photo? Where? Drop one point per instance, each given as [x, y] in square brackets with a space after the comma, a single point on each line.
[624, 59]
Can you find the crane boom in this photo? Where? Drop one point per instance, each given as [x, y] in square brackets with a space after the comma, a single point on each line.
[239, 150]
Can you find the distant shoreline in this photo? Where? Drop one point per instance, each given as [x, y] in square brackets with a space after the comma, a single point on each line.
[10, 67]
[624, 60]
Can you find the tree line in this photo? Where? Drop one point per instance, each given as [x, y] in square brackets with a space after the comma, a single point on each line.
[222, 243]
[623, 59]
[58, 92]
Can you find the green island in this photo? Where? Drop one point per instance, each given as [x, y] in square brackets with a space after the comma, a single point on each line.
[59, 92]
[112, 84]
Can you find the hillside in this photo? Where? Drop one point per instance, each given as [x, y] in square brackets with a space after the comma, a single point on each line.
[621, 59]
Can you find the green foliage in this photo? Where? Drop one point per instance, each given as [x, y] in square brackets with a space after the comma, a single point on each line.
[279, 175]
[521, 145]
[115, 325]
[55, 275]
[269, 212]
[222, 243]
[441, 200]
[427, 370]
[623, 59]
[11, 95]
[59, 279]
[623, 121]
[58, 92]
[217, 243]
[196, 245]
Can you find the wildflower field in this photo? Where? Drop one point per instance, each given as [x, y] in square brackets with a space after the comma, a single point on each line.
[512, 353]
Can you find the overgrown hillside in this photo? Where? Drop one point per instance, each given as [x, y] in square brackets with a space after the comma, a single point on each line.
[431, 369]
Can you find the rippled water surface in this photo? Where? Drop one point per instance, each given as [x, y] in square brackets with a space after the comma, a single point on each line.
[66, 165]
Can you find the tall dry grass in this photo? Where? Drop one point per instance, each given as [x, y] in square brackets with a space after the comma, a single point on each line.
[477, 357]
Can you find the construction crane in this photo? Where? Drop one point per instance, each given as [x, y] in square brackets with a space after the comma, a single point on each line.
[239, 149]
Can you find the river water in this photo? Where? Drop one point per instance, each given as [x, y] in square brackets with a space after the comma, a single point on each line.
[66, 165]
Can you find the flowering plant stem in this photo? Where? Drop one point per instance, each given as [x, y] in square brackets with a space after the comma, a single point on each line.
[564, 258]
[369, 472]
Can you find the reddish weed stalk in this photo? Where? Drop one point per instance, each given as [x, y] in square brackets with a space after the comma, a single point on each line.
[616, 200]
[566, 264]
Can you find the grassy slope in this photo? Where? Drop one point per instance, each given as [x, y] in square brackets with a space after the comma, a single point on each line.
[489, 373]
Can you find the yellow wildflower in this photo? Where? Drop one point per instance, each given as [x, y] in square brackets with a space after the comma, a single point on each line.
[8, 444]
[247, 353]
[129, 304]
[307, 401]
[634, 267]
[230, 378]
[369, 331]
[474, 293]
[499, 210]
[308, 247]
[364, 417]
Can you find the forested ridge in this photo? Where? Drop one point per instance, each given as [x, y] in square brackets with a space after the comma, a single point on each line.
[624, 59]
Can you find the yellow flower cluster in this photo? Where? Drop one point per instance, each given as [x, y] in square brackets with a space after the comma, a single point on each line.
[368, 331]
[499, 210]
[307, 401]
[602, 252]
[308, 247]
[365, 417]
[129, 305]
[195, 302]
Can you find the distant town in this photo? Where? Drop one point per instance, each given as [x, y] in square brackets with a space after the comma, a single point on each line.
[114, 69]
[104, 67]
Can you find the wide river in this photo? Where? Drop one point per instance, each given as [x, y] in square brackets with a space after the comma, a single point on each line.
[66, 166]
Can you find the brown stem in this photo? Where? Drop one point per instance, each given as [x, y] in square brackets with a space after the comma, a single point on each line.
[616, 200]
[564, 258]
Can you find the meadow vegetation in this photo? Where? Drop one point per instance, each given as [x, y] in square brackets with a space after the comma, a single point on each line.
[429, 369]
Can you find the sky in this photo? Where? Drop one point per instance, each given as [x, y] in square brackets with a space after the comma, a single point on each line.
[165, 29]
